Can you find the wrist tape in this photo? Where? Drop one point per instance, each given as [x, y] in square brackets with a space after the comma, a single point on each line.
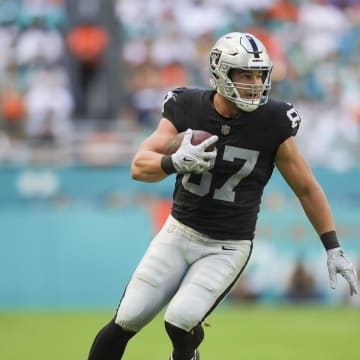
[167, 165]
[329, 240]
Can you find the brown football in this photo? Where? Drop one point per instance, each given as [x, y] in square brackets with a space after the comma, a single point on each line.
[198, 137]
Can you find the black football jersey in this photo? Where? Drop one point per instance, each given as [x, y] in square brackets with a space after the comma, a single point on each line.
[224, 202]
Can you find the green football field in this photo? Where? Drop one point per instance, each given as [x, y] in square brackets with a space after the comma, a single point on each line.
[244, 332]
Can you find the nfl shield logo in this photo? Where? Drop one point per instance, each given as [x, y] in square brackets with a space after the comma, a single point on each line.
[225, 129]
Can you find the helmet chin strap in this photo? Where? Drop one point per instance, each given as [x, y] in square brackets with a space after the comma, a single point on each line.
[244, 104]
[241, 103]
[247, 107]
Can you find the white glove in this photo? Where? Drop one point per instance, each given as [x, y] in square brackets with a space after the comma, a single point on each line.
[193, 158]
[338, 263]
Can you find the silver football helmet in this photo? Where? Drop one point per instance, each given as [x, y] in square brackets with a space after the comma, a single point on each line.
[240, 51]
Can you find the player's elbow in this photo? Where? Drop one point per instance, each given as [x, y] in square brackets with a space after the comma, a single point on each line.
[145, 176]
[135, 172]
[141, 173]
[146, 168]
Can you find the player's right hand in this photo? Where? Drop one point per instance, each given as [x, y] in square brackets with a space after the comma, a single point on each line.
[191, 158]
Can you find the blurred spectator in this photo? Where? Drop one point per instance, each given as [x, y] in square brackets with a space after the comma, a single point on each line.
[242, 292]
[39, 45]
[9, 33]
[301, 286]
[49, 106]
[173, 75]
[12, 106]
[283, 11]
[145, 93]
[87, 43]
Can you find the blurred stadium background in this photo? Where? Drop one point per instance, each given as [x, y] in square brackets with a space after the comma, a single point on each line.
[81, 84]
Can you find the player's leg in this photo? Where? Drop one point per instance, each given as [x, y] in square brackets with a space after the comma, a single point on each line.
[155, 280]
[153, 283]
[207, 282]
[110, 342]
[185, 343]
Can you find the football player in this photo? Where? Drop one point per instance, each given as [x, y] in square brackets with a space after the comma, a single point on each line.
[206, 242]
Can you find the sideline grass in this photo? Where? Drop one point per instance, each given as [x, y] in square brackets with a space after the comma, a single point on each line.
[249, 333]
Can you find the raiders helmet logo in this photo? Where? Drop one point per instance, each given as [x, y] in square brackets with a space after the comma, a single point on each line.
[215, 56]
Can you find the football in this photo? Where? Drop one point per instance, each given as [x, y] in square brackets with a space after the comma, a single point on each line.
[198, 137]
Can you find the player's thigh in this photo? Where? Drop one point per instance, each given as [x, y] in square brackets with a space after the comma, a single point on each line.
[206, 283]
[153, 283]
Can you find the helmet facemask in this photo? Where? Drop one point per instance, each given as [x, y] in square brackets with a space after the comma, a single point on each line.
[240, 51]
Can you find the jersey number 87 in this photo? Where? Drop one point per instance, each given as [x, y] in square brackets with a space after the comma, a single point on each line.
[226, 191]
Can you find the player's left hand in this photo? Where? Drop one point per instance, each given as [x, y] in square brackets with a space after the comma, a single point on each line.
[338, 263]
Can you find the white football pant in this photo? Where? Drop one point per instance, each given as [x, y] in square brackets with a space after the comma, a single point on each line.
[184, 269]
